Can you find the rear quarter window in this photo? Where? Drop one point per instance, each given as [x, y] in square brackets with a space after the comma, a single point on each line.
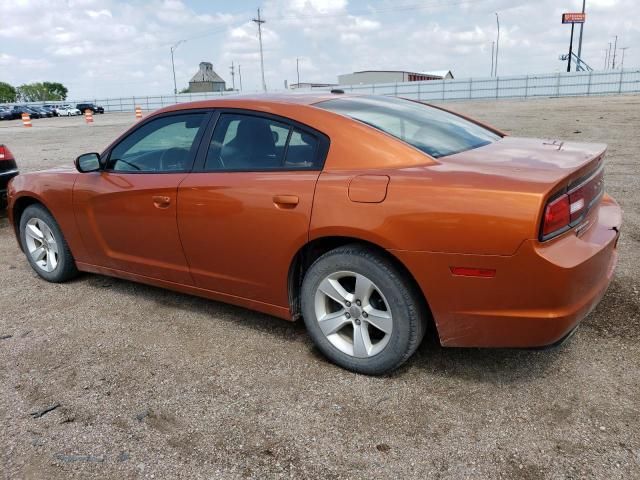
[433, 131]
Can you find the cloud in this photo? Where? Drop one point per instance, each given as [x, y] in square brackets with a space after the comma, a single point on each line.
[123, 46]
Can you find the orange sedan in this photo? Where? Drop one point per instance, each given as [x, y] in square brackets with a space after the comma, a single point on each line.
[373, 218]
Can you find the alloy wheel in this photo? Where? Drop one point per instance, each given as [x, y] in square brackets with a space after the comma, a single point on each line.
[42, 245]
[353, 314]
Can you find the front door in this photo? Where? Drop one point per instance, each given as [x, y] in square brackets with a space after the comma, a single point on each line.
[245, 212]
[126, 213]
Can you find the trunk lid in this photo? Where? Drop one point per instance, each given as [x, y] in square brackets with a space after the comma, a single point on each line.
[549, 164]
[567, 176]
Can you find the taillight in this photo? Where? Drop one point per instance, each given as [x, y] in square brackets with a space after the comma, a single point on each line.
[5, 153]
[570, 208]
[557, 216]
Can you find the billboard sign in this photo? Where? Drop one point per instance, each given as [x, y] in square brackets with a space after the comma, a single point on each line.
[573, 17]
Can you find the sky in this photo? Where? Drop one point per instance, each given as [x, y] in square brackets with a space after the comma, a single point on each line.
[114, 48]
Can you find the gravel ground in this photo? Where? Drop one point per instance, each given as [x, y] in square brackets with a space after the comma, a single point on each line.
[154, 384]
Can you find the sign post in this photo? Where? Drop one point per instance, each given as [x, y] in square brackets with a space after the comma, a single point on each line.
[572, 18]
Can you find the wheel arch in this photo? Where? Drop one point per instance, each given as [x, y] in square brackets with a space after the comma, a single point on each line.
[17, 209]
[312, 250]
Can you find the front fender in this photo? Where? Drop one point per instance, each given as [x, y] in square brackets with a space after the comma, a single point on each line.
[54, 190]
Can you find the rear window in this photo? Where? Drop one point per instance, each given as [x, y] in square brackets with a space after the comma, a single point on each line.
[433, 131]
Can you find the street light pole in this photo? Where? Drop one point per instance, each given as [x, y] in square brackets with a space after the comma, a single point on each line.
[497, 41]
[493, 48]
[173, 49]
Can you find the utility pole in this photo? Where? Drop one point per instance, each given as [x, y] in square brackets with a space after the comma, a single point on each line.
[259, 22]
[609, 57]
[173, 49]
[298, 70]
[497, 41]
[581, 29]
[606, 58]
[240, 76]
[493, 47]
[622, 62]
[233, 77]
[615, 47]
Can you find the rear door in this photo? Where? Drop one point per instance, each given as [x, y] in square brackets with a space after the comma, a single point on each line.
[127, 212]
[245, 211]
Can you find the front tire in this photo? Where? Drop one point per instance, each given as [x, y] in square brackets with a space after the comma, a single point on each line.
[361, 310]
[44, 245]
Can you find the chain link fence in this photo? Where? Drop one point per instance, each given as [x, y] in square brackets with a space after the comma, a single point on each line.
[518, 86]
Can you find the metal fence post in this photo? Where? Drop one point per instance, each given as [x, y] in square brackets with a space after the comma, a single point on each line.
[526, 86]
[133, 101]
[497, 87]
[443, 89]
[121, 104]
[558, 85]
[620, 82]
[589, 85]
[419, 97]
[470, 87]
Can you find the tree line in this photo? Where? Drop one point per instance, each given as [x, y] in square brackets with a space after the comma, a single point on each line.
[32, 92]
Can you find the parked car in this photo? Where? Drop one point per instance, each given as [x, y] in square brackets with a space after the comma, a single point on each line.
[67, 111]
[7, 113]
[53, 109]
[44, 113]
[20, 109]
[8, 170]
[50, 109]
[373, 218]
[89, 106]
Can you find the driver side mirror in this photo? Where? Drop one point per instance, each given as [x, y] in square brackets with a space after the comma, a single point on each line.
[89, 162]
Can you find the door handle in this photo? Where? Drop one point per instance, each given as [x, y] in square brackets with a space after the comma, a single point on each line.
[285, 201]
[160, 201]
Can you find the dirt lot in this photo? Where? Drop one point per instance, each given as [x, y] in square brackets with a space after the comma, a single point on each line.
[161, 385]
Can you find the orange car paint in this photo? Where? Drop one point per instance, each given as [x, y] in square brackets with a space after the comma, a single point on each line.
[233, 236]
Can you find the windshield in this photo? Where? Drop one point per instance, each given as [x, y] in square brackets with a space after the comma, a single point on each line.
[429, 129]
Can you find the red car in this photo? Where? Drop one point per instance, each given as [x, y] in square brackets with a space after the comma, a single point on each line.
[372, 218]
[8, 170]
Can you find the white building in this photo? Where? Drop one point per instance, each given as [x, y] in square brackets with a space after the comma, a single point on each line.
[367, 77]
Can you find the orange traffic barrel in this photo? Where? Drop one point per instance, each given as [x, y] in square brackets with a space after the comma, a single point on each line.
[26, 120]
[88, 116]
[138, 113]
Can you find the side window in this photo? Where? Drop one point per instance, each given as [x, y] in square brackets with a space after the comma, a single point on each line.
[302, 151]
[162, 145]
[246, 142]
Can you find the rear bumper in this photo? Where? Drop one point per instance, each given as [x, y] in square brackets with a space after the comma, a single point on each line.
[538, 295]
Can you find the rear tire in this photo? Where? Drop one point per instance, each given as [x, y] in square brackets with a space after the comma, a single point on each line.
[44, 245]
[361, 310]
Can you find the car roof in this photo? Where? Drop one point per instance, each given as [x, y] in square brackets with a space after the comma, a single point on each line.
[265, 98]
